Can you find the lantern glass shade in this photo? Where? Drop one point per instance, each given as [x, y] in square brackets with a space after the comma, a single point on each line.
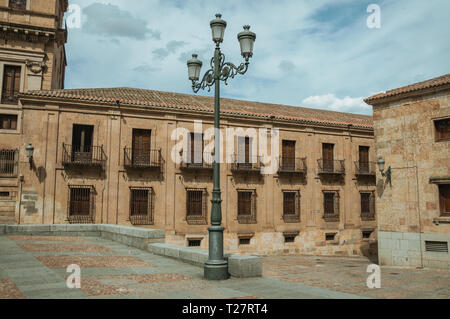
[194, 68]
[247, 40]
[29, 151]
[218, 27]
[381, 163]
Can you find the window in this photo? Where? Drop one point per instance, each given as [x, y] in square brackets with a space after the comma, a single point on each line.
[331, 205]
[291, 206]
[11, 84]
[288, 155]
[244, 241]
[141, 205]
[196, 206]
[442, 130]
[436, 246]
[444, 199]
[246, 206]
[81, 204]
[245, 150]
[18, 4]
[328, 157]
[195, 148]
[141, 147]
[289, 239]
[367, 205]
[82, 143]
[4, 194]
[366, 234]
[194, 242]
[8, 162]
[364, 159]
[8, 122]
[330, 236]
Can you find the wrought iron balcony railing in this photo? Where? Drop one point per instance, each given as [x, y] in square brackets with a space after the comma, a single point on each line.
[75, 155]
[292, 165]
[9, 160]
[331, 167]
[250, 164]
[142, 159]
[203, 161]
[366, 168]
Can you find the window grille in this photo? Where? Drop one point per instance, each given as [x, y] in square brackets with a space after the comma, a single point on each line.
[246, 206]
[291, 206]
[81, 204]
[141, 205]
[196, 206]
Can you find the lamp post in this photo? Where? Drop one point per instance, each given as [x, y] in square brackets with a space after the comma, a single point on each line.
[216, 267]
[29, 150]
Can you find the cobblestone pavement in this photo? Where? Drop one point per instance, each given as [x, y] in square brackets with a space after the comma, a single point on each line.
[35, 267]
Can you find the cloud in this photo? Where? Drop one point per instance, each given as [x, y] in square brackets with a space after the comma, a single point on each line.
[333, 103]
[110, 20]
[303, 49]
[171, 47]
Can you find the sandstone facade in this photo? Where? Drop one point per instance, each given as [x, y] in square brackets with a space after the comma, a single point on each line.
[413, 218]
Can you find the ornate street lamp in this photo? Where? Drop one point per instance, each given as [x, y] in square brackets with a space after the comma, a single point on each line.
[29, 150]
[381, 165]
[216, 268]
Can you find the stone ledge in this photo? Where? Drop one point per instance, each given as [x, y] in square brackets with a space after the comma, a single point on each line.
[240, 266]
[132, 236]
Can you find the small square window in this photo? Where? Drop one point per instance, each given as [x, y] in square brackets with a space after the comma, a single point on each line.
[4, 194]
[330, 237]
[8, 122]
[194, 242]
[289, 239]
[244, 241]
[366, 234]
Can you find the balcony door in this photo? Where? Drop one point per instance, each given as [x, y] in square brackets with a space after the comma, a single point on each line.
[195, 149]
[141, 147]
[244, 151]
[328, 157]
[288, 155]
[82, 143]
[364, 159]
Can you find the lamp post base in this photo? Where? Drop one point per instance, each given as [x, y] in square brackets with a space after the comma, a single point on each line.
[216, 270]
[216, 267]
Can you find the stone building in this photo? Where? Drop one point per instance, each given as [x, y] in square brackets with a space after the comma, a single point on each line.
[412, 129]
[32, 57]
[107, 156]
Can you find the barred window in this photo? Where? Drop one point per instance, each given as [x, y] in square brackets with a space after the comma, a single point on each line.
[18, 4]
[196, 205]
[331, 205]
[141, 205]
[246, 206]
[81, 204]
[291, 206]
[8, 162]
[367, 205]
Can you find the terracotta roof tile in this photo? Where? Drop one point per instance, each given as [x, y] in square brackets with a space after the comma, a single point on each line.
[439, 81]
[169, 100]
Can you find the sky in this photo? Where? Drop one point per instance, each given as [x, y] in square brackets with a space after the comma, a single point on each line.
[312, 53]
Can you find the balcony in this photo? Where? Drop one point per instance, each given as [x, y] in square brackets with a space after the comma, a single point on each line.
[83, 156]
[249, 165]
[331, 167]
[9, 160]
[141, 159]
[198, 163]
[365, 168]
[291, 165]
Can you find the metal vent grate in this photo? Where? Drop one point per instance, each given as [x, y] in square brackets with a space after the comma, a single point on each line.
[436, 246]
[194, 242]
